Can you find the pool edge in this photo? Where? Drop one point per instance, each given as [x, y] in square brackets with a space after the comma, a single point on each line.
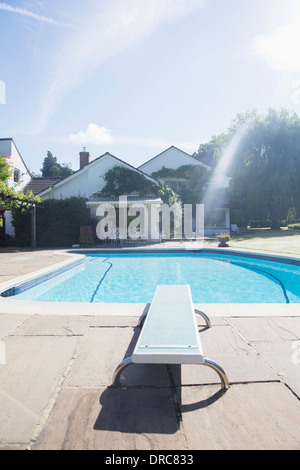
[11, 306]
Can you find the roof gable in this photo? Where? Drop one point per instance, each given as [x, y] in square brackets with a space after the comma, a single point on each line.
[97, 161]
[172, 157]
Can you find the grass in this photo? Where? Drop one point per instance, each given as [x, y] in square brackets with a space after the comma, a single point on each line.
[277, 241]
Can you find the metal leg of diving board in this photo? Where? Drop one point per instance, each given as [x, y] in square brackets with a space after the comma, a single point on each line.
[217, 368]
[142, 319]
[206, 318]
[116, 377]
[207, 362]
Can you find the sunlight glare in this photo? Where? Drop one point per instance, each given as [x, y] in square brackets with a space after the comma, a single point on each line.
[280, 49]
[224, 165]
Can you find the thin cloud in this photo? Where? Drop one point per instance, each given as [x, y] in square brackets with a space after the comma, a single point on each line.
[105, 30]
[24, 12]
[93, 135]
[96, 135]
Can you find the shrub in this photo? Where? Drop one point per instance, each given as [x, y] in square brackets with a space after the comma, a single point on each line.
[294, 226]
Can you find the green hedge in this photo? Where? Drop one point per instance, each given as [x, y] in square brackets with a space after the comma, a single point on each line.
[57, 223]
[21, 220]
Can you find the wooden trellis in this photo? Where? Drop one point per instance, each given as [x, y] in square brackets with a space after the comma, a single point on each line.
[23, 203]
[6, 199]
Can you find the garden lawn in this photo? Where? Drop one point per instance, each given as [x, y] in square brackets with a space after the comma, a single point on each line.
[278, 241]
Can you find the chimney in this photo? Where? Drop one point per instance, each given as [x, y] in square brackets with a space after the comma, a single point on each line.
[84, 158]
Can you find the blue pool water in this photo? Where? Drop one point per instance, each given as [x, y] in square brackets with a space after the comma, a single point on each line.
[132, 278]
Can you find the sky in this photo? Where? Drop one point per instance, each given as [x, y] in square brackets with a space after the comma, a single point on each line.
[133, 77]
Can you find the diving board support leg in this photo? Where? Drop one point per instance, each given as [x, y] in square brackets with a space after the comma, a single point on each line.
[142, 319]
[206, 318]
[116, 378]
[217, 368]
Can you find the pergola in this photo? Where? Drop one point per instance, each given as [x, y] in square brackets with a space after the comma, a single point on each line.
[7, 199]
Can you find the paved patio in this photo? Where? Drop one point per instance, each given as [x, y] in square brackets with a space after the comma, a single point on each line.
[55, 383]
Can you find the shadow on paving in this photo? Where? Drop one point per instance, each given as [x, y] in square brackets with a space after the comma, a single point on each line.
[148, 401]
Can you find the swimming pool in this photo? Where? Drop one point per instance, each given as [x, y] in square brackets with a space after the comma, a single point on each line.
[132, 277]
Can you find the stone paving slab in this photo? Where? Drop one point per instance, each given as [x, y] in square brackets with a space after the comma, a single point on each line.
[255, 416]
[24, 262]
[53, 325]
[8, 323]
[225, 346]
[102, 350]
[112, 419]
[34, 368]
[284, 357]
[268, 329]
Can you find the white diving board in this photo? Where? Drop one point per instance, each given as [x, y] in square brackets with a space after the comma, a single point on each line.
[170, 333]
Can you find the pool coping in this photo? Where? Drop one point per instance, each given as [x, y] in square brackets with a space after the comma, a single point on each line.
[10, 306]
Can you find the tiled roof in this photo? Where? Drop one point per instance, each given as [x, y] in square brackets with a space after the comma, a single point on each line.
[37, 185]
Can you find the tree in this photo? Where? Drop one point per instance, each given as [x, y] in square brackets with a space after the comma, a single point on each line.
[266, 169]
[51, 168]
[210, 152]
[120, 181]
[264, 166]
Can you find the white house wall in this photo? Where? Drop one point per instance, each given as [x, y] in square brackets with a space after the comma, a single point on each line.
[86, 182]
[73, 186]
[7, 147]
[171, 158]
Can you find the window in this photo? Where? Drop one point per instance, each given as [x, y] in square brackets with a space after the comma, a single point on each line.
[17, 175]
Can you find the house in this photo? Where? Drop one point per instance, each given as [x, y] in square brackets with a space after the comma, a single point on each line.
[217, 210]
[19, 179]
[88, 181]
